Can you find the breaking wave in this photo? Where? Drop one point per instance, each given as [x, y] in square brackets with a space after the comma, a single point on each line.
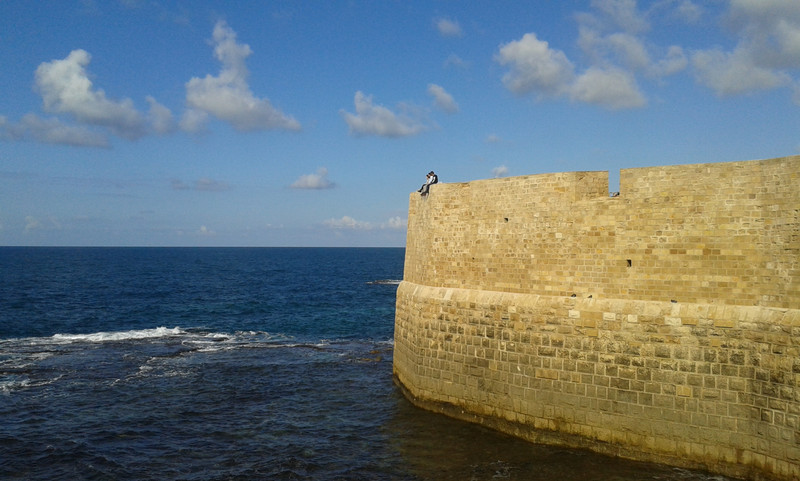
[119, 336]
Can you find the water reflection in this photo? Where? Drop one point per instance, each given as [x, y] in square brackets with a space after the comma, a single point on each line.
[435, 447]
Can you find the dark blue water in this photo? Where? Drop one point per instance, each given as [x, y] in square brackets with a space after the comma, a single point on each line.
[231, 364]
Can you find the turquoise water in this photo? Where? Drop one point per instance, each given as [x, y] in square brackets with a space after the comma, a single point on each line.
[231, 364]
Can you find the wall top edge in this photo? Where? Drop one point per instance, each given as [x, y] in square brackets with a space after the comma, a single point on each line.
[630, 170]
[716, 165]
[517, 178]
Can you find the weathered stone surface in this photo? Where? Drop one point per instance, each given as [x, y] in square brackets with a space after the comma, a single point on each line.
[682, 340]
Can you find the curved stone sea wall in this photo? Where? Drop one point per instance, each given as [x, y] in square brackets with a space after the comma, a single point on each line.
[662, 324]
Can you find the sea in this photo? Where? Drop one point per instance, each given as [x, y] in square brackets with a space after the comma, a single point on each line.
[232, 364]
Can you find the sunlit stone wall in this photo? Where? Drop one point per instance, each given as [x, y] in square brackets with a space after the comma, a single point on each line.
[662, 324]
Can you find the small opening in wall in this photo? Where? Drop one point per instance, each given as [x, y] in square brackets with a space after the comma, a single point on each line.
[629, 263]
[506, 219]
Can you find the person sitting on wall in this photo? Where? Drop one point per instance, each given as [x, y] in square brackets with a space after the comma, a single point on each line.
[431, 179]
[427, 179]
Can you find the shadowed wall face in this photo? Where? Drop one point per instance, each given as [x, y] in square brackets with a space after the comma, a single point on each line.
[662, 324]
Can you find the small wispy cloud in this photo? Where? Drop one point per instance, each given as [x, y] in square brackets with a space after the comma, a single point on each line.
[32, 224]
[160, 117]
[315, 181]
[690, 11]
[371, 119]
[442, 99]
[347, 223]
[205, 232]
[454, 61]
[449, 28]
[396, 223]
[203, 185]
[51, 130]
[500, 171]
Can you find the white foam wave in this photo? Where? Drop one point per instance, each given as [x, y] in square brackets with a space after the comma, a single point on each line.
[10, 386]
[192, 338]
[119, 336]
[19, 383]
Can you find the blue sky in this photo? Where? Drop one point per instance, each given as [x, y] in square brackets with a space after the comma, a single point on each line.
[308, 123]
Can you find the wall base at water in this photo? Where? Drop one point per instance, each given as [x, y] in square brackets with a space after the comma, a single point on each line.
[714, 387]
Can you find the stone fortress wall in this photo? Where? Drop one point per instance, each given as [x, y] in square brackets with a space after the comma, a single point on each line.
[660, 325]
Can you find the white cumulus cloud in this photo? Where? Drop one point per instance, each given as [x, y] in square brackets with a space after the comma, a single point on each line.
[66, 89]
[227, 96]
[371, 119]
[615, 50]
[612, 37]
[535, 67]
[612, 88]
[538, 69]
[730, 73]
[317, 180]
[767, 53]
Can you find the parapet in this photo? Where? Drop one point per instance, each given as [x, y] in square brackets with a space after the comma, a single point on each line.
[724, 233]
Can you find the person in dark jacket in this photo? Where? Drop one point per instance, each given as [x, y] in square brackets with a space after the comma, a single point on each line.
[431, 179]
